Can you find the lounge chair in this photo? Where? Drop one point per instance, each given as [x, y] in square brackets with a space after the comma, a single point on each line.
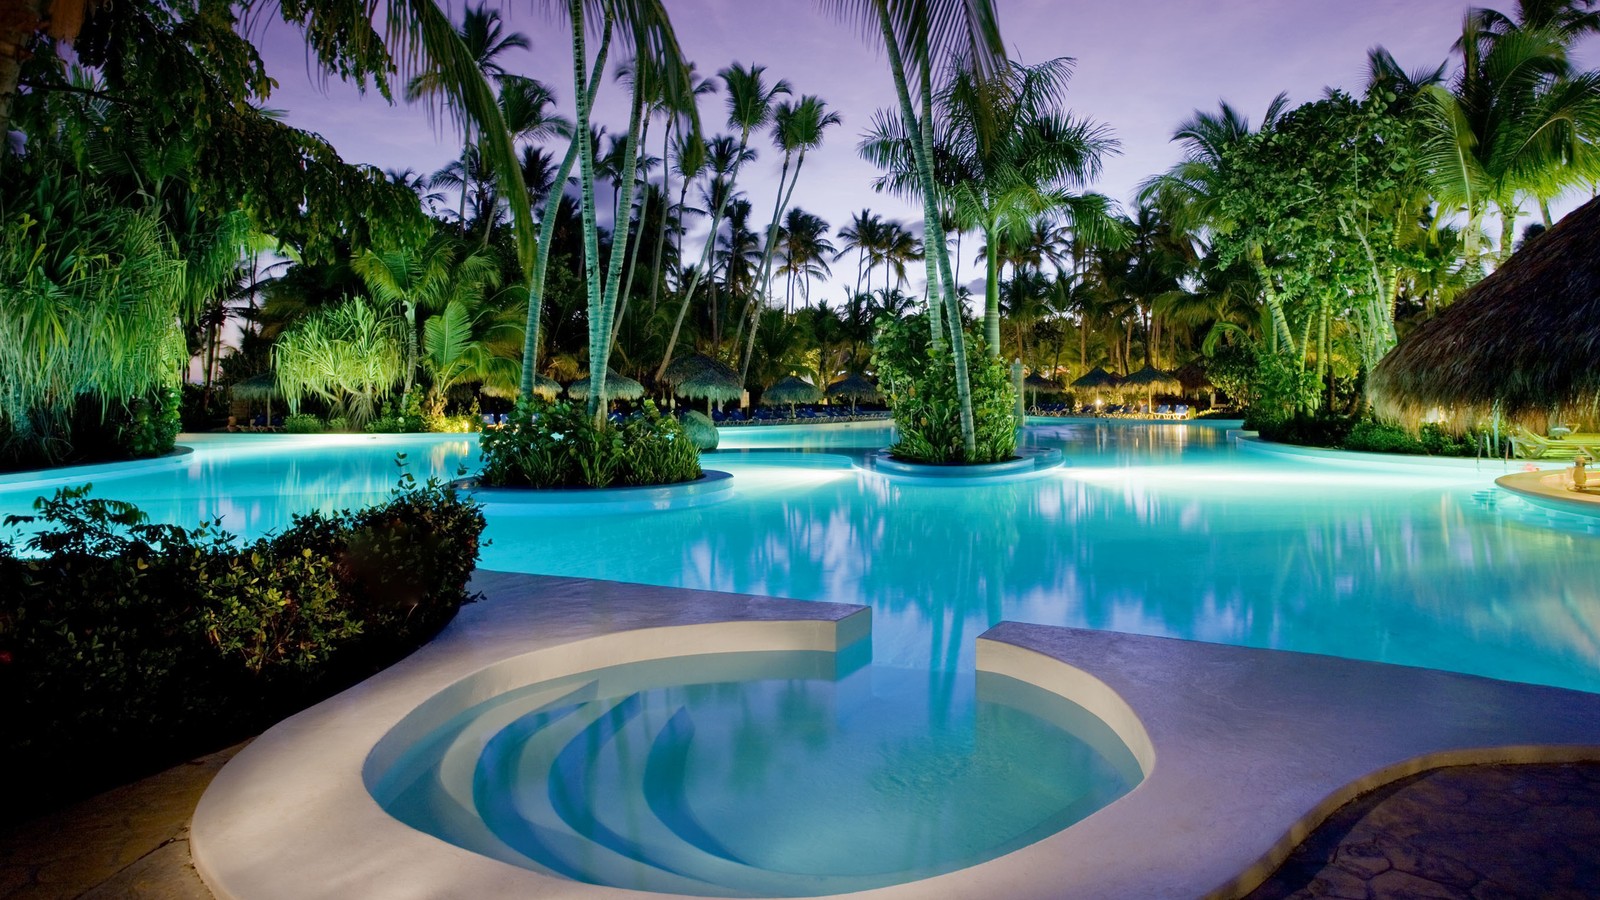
[1534, 446]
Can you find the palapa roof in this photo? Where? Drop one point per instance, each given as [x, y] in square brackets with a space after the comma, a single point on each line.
[700, 376]
[854, 387]
[546, 387]
[1096, 378]
[1149, 378]
[263, 386]
[1041, 384]
[790, 390]
[618, 387]
[1524, 341]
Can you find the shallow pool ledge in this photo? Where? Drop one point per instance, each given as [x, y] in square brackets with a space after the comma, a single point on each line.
[1246, 751]
[291, 816]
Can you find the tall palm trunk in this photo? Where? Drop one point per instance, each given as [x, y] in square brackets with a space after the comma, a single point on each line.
[635, 243]
[591, 238]
[923, 152]
[666, 214]
[547, 231]
[991, 292]
[600, 325]
[764, 270]
[706, 254]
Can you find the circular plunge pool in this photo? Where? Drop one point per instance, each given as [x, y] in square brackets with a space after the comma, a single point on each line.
[774, 774]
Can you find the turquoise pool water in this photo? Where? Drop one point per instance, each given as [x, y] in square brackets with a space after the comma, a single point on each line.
[756, 774]
[1155, 529]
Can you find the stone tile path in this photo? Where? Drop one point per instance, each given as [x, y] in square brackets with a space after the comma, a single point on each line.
[1467, 832]
[130, 842]
[1461, 832]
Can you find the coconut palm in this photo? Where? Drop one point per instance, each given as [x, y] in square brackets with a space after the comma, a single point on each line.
[750, 107]
[796, 128]
[919, 36]
[483, 34]
[806, 250]
[1024, 154]
[687, 151]
[1515, 122]
[1190, 191]
[859, 237]
[414, 281]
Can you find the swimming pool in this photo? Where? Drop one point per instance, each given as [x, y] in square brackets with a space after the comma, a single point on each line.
[1155, 529]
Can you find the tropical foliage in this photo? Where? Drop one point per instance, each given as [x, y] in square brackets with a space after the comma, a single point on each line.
[562, 446]
[165, 641]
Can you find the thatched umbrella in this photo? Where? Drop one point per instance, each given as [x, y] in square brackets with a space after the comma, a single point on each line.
[263, 386]
[1038, 384]
[1146, 381]
[546, 388]
[699, 376]
[1097, 380]
[618, 387]
[1522, 344]
[789, 391]
[854, 387]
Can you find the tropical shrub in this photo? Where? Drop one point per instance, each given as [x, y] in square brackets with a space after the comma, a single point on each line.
[560, 445]
[1430, 440]
[165, 642]
[920, 383]
[304, 423]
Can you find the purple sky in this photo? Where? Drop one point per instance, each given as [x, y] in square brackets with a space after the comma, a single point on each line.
[1142, 67]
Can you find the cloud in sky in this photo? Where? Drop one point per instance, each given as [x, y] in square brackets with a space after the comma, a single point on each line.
[1142, 67]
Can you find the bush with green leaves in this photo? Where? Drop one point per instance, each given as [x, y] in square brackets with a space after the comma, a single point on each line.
[920, 383]
[167, 641]
[1430, 440]
[560, 446]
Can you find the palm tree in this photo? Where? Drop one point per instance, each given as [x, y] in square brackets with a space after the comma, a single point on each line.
[483, 34]
[797, 128]
[1190, 191]
[806, 250]
[898, 248]
[927, 34]
[750, 106]
[1515, 121]
[859, 237]
[1025, 156]
[687, 150]
[421, 280]
[723, 157]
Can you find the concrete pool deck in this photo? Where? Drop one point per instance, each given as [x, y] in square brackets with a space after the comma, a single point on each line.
[1245, 750]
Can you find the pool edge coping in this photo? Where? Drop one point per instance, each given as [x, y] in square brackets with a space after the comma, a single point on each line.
[1169, 687]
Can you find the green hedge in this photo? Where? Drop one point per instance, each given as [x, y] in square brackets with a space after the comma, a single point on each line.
[1350, 433]
[125, 645]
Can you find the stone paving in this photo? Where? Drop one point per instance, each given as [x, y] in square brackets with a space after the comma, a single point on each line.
[1462, 832]
[1473, 832]
[130, 842]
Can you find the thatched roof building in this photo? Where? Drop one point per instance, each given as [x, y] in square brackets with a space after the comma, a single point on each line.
[1095, 379]
[545, 387]
[1148, 379]
[789, 391]
[854, 387]
[618, 387]
[1041, 385]
[1523, 343]
[700, 376]
[263, 386]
